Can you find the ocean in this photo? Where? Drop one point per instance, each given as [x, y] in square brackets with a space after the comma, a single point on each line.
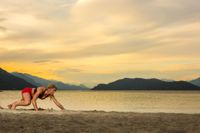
[121, 101]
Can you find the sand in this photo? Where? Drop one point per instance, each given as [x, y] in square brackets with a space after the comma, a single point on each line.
[50, 121]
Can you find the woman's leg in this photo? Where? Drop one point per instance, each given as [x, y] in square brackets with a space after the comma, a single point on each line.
[26, 100]
[10, 105]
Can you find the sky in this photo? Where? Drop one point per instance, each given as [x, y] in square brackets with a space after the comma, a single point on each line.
[98, 41]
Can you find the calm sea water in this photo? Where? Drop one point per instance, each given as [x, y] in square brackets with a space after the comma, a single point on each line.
[124, 101]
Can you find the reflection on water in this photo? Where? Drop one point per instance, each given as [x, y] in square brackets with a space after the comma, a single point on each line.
[133, 101]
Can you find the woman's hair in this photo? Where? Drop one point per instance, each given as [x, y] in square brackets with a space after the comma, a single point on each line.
[52, 86]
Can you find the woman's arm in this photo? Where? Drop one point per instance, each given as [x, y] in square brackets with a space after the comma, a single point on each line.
[57, 103]
[34, 103]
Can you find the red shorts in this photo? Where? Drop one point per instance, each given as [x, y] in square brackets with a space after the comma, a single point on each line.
[27, 89]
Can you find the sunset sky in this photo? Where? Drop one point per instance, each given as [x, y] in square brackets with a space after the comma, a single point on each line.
[98, 41]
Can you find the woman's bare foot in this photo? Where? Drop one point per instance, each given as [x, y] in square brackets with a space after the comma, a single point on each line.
[10, 106]
[1, 107]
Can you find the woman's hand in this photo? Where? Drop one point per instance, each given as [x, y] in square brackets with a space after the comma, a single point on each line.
[34, 104]
[57, 103]
[39, 91]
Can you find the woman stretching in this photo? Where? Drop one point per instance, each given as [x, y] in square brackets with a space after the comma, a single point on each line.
[30, 95]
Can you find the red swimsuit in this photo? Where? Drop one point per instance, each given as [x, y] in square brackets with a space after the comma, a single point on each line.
[27, 89]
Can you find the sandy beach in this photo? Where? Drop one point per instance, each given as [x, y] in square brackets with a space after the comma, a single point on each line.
[50, 121]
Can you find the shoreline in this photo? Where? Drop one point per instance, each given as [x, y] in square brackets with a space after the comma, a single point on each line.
[53, 111]
[70, 121]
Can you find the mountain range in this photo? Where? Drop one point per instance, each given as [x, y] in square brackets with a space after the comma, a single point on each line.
[146, 84]
[196, 82]
[15, 80]
[11, 82]
[37, 81]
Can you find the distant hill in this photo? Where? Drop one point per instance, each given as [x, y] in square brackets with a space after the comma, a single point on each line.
[196, 82]
[26, 78]
[146, 84]
[37, 81]
[11, 82]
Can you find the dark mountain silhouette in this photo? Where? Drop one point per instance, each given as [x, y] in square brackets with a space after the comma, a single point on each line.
[146, 84]
[37, 81]
[11, 82]
[17, 81]
[26, 78]
[196, 82]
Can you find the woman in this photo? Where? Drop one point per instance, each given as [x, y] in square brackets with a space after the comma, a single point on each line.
[30, 95]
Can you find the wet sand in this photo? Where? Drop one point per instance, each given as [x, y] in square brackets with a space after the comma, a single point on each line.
[50, 121]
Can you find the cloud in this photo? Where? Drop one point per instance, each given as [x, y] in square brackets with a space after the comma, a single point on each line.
[42, 56]
[2, 28]
[115, 36]
[32, 21]
[30, 55]
[45, 61]
[68, 70]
